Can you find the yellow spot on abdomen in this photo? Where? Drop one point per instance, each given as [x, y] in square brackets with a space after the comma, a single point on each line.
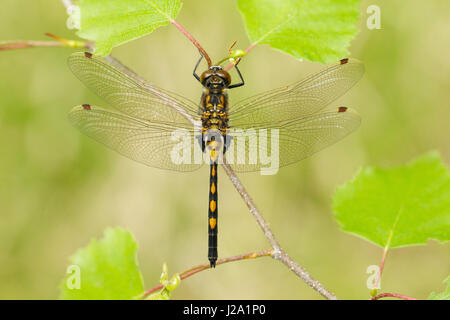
[212, 222]
[212, 206]
[213, 155]
[213, 171]
[213, 188]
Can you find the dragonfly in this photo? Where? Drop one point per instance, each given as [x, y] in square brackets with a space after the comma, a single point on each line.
[165, 130]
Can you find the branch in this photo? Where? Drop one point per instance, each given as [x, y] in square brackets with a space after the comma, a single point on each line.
[192, 39]
[381, 268]
[60, 42]
[22, 44]
[119, 65]
[190, 272]
[392, 295]
[278, 253]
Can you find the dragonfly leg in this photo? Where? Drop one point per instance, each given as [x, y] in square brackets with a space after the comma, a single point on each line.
[240, 76]
[196, 76]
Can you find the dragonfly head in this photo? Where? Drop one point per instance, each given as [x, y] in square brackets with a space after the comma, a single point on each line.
[215, 78]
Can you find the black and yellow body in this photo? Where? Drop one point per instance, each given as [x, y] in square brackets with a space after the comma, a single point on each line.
[214, 117]
[214, 126]
[212, 216]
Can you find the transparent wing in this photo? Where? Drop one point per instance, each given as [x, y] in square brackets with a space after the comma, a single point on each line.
[298, 99]
[139, 100]
[287, 142]
[156, 144]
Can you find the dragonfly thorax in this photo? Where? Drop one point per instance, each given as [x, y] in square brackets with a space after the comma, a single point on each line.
[214, 108]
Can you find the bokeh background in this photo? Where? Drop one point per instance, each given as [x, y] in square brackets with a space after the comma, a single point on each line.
[59, 189]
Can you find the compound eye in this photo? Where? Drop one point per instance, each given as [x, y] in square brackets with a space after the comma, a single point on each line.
[205, 75]
[225, 76]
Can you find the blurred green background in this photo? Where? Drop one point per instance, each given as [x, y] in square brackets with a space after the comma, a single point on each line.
[58, 188]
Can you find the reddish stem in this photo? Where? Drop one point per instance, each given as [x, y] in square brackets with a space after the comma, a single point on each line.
[21, 44]
[190, 272]
[192, 39]
[392, 295]
[383, 260]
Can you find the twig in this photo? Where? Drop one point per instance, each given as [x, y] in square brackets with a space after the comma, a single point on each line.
[190, 272]
[117, 64]
[392, 295]
[192, 39]
[60, 42]
[381, 268]
[278, 253]
[22, 44]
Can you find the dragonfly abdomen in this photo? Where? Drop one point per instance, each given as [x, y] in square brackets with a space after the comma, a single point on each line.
[214, 123]
[212, 215]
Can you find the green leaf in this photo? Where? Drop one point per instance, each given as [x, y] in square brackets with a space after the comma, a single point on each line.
[106, 269]
[396, 207]
[313, 30]
[111, 23]
[444, 295]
